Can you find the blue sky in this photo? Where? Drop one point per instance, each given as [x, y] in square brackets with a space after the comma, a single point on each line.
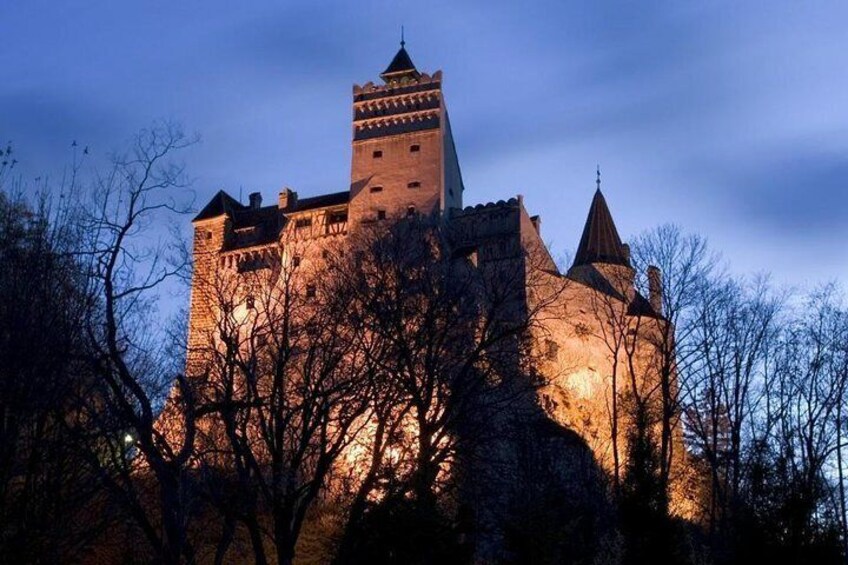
[729, 118]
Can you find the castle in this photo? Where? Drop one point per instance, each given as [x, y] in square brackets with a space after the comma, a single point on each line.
[404, 164]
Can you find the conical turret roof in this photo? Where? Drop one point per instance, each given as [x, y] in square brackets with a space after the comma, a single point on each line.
[600, 242]
[400, 66]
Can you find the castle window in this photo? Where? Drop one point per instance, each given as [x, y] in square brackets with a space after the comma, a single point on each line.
[338, 217]
[551, 349]
[251, 262]
[376, 189]
[414, 148]
[325, 254]
[450, 191]
[209, 235]
[381, 214]
[410, 211]
[249, 302]
[303, 223]
[310, 291]
[414, 184]
[296, 261]
[377, 154]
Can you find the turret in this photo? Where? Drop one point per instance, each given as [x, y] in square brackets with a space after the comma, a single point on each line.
[403, 159]
[602, 260]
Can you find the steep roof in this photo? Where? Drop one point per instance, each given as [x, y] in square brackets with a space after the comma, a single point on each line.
[641, 306]
[600, 242]
[222, 203]
[332, 199]
[400, 66]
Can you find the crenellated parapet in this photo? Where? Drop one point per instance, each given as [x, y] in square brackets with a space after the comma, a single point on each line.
[400, 106]
[423, 82]
[487, 208]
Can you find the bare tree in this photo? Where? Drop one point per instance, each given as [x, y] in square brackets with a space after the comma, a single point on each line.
[45, 490]
[685, 264]
[126, 258]
[448, 332]
[733, 332]
[283, 388]
[806, 393]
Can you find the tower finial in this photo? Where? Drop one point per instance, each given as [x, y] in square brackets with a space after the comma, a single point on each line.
[598, 180]
[402, 42]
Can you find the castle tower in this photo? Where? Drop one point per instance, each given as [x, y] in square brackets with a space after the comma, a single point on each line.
[403, 159]
[211, 227]
[602, 260]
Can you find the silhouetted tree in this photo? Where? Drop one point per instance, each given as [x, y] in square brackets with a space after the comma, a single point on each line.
[46, 513]
[283, 389]
[449, 343]
[125, 259]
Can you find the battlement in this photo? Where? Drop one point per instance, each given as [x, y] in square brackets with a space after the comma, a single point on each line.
[486, 208]
[424, 82]
[413, 104]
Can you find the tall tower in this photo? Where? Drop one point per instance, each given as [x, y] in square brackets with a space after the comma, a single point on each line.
[404, 160]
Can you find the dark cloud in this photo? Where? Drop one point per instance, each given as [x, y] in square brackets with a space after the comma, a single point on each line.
[795, 193]
[694, 109]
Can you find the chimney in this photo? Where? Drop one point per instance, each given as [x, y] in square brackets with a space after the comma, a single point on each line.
[288, 199]
[255, 200]
[655, 293]
[537, 223]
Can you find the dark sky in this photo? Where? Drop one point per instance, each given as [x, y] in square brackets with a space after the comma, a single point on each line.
[730, 119]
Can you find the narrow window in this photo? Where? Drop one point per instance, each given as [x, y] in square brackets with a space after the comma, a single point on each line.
[338, 217]
[414, 184]
[381, 214]
[209, 235]
[376, 189]
[310, 291]
[296, 261]
[377, 154]
[249, 302]
[303, 222]
[414, 148]
[325, 254]
[551, 349]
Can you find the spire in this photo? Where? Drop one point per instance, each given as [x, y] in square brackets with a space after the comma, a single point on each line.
[401, 66]
[600, 242]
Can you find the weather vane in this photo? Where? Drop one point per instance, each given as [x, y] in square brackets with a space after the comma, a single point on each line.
[402, 42]
[598, 180]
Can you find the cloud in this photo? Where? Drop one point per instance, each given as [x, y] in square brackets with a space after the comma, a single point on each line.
[792, 192]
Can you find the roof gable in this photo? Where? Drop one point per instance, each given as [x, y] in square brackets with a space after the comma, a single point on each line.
[221, 204]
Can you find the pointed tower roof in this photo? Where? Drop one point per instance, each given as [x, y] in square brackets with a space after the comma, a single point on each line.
[222, 203]
[600, 242]
[401, 66]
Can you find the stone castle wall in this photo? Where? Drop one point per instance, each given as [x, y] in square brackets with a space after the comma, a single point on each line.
[404, 162]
